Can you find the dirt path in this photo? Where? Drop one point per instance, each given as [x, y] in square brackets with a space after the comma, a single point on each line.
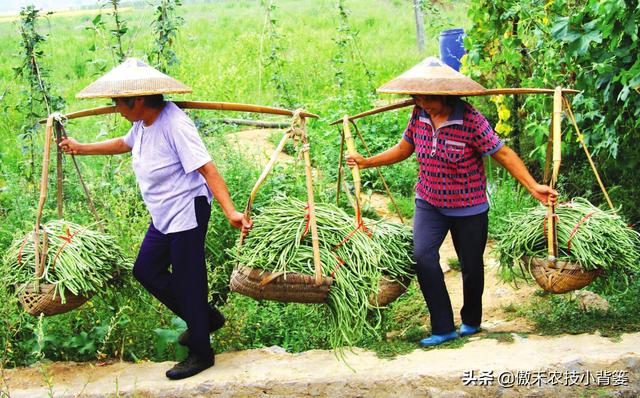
[567, 365]
[564, 366]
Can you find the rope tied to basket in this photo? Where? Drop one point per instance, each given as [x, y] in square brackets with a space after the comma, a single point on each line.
[67, 241]
[341, 262]
[576, 228]
[24, 242]
[307, 217]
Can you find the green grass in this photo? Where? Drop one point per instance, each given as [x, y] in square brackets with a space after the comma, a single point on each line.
[454, 263]
[406, 205]
[558, 314]
[501, 337]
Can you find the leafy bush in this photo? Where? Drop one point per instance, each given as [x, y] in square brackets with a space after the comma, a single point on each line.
[586, 45]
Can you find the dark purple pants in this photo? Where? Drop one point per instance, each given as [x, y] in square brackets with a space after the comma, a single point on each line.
[469, 234]
[184, 290]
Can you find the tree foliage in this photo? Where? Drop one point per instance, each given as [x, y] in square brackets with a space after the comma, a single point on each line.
[588, 45]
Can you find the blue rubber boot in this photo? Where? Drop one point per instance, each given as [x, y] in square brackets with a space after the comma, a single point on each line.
[436, 339]
[466, 330]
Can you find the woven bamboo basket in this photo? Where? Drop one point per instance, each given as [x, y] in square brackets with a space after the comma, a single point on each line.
[287, 288]
[43, 300]
[560, 276]
[388, 291]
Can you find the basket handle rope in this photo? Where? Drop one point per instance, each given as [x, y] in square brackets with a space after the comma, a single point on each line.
[296, 131]
[586, 151]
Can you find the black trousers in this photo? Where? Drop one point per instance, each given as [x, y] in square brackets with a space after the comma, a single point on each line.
[184, 290]
[469, 236]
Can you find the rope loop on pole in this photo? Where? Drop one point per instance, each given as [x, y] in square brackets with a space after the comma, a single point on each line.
[60, 118]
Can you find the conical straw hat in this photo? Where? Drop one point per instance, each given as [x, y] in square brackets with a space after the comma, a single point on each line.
[432, 77]
[132, 78]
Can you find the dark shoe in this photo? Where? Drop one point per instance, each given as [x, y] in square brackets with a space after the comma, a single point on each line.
[216, 321]
[189, 367]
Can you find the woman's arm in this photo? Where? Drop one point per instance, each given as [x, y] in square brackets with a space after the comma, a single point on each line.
[114, 146]
[220, 191]
[395, 154]
[512, 162]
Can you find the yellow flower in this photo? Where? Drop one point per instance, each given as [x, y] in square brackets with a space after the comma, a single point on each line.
[503, 112]
[503, 128]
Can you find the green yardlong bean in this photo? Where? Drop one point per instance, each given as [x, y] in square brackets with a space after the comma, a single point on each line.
[280, 241]
[79, 260]
[589, 236]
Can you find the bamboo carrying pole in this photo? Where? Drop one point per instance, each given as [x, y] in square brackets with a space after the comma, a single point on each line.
[311, 203]
[355, 170]
[39, 269]
[476, 93]
[552, 238]
[494, 91]
[391, 107]
[208, 105]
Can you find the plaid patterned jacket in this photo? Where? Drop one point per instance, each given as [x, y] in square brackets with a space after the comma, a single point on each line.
[450, 158]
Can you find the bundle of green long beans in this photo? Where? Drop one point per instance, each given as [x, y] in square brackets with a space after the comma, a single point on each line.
[79, 260]
[357, 258]
[587, 235]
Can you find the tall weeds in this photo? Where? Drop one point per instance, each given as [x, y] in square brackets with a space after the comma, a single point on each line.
[165, 29]
[275, 59]
[38, 99]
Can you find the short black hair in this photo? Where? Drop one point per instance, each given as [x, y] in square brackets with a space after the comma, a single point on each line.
[155, 101]
[450, 100]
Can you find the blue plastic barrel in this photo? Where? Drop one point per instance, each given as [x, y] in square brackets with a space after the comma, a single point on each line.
[452, 47]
